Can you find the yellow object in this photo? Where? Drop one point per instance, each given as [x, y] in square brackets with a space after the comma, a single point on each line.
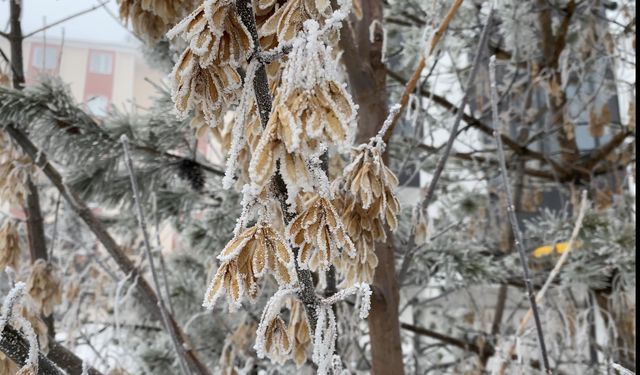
[561, 247]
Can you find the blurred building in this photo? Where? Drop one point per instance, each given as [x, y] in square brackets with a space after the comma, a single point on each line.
[100, 75]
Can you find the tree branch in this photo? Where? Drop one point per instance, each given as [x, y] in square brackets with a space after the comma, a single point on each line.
[14, 346]
[147, 246]
[464, 345]
[479, 125]
[519, 244]
[65, 19]
[307, 293]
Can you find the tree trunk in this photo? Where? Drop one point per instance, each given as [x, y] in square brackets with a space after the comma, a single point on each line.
[35, 225]
[367, 78]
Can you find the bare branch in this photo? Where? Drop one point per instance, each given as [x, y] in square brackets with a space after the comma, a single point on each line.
[147, 247]
[512, 215]
[65, 19]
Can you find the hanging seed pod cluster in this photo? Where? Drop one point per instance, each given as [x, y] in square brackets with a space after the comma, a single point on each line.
[296, 219]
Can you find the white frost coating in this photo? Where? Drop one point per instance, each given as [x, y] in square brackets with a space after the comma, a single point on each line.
[85, 368]
[372, 37]
[270, 312]
[320, 179]
[339, 15]
[622, 370]
[393, 111]
[324, 339]
[14, 295]
[31, 337]
[361, 289]
[250, 194]
[238, 126]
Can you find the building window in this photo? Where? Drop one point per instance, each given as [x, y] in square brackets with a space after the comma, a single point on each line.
[98, 105]
[45, 59]
[101, 63]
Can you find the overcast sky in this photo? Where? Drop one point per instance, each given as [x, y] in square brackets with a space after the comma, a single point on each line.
[96, 26]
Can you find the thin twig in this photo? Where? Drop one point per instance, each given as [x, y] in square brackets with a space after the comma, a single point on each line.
[554, 272]
[517, 234]
[147, 246]
[447, 150]
[54, 236]
[163, 266]
[413, 81]
[65, 19]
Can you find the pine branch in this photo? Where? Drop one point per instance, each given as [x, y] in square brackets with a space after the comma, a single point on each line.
[512, 215]
[149, 298]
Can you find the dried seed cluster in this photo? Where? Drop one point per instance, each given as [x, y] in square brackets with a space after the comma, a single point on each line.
[205, 77]
[298, 332]
[15, 169]
[43, 285]
[246, 258]
[9, 246]
[319, 233]
[310, 111]
[368, 202]
[152, 18]
[277, 342]
[285, 22]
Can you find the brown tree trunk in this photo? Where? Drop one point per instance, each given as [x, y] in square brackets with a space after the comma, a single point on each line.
[367, 78]
[35, 225]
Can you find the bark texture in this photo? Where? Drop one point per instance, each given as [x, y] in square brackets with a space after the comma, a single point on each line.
[367, 79]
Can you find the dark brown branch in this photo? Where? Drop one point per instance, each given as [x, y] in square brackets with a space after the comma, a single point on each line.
[464, 345]
[307, 293]
[14, 346]
[35, 225]
[148, 297]
[603, 151]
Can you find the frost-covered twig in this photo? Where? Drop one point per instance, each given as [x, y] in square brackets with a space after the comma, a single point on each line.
[147, 246]
[554, 272]
[621, 369]
[163, 266]
[365, 297]
[10, 300]
[413, 81]
[31, 364]
[519, 244]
